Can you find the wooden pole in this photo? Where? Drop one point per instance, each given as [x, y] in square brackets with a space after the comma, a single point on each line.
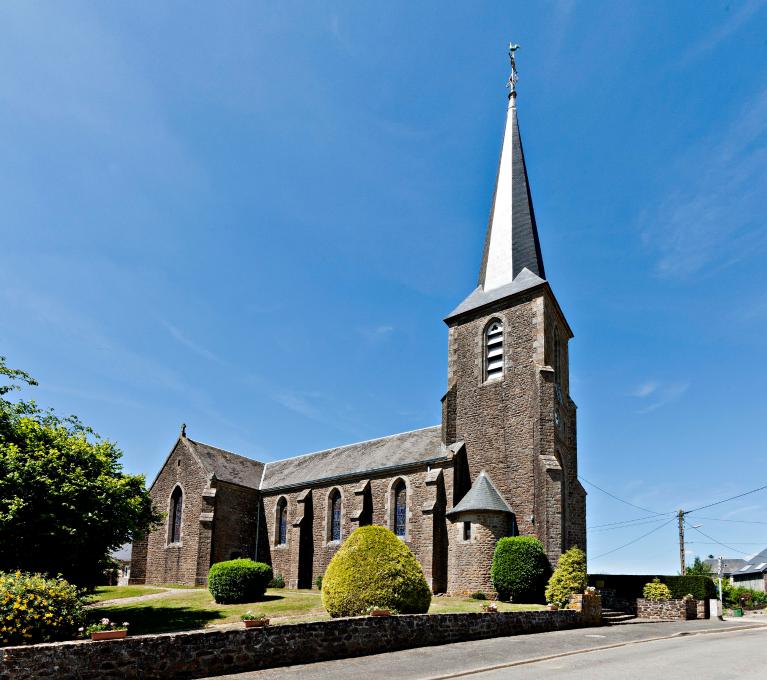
[681, 543]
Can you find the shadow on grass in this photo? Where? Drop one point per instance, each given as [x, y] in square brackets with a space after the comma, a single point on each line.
[150, 619]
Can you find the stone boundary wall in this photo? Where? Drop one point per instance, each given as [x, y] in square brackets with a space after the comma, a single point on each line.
[203, 653]
[666, 610]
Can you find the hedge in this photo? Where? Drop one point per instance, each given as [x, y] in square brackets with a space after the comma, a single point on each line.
[520, 569]
[374, 568]
[238, 581]
[630, 586]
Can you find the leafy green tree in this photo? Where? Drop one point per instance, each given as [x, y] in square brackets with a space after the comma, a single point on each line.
[699, 568]
[65, 502]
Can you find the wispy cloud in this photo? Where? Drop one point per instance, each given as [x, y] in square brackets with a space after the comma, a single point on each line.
[190, 344]
[644, 390]
[656, 394]
[717, 219]
[723, 31]
[376, 333]
[304, 403]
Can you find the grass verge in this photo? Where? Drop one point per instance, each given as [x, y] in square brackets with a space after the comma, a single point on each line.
[195, 608]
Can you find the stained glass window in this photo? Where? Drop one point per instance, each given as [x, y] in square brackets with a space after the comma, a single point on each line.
[282, 519]
[176, 508]
[335, 516]
[400, 508]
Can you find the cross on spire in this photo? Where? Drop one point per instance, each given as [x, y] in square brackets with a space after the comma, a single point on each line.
[513, 78]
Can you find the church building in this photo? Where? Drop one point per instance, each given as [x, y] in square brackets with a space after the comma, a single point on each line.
[503, 461]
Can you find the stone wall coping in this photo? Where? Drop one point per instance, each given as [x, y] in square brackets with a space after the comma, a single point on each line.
[214, 651]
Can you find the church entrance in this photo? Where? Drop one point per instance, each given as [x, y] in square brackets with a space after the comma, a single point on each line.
[306, 547]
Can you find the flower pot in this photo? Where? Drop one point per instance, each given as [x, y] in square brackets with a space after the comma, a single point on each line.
[552, 607]
[380, 612]
[109, 634]
[256, 623]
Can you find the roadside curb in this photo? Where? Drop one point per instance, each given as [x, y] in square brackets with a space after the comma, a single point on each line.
[549, 657]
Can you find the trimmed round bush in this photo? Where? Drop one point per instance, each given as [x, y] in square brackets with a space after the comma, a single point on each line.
[374, 568]
[238, 581]
[569, 577]
[519, 569]
[34, 608]
[655, 590]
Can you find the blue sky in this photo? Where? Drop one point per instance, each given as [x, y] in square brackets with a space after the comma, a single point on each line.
[252, 219]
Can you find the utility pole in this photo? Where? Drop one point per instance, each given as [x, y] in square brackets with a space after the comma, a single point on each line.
[721, 596]
[681, 542]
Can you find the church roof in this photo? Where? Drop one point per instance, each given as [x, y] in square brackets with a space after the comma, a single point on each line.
[482, 497]
[407, 448]
[227, 466]
[512, 259]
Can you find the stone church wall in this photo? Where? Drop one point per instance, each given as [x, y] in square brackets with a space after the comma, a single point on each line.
[178, 563]
[425, 502]
[235, 522]
[497, 420]
[469, 561]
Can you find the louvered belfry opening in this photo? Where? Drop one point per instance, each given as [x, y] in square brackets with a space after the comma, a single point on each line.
[494, 351]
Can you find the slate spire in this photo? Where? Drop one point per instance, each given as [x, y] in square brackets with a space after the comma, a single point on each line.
[511, 243]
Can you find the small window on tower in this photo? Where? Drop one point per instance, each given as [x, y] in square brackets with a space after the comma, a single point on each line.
[467, 531]
[494, 351]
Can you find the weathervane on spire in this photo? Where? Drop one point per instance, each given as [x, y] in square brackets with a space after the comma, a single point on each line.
[513, 78]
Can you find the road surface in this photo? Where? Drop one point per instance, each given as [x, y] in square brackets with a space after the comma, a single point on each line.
[699, 650]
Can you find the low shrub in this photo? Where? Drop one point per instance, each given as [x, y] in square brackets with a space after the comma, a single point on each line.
[277, 582]
[735, 596]
[34, 608]
[479, 595]
[374, 568]
[655, 590]
[569, 577]
[318, 582]
[519, 569]
[238, 581]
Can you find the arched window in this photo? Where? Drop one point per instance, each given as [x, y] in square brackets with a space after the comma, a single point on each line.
[400, 508]
[335, 515]
[494, 350]
[282, 522]
[176, 508]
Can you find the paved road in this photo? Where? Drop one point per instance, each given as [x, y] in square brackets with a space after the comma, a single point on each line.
[724, 650]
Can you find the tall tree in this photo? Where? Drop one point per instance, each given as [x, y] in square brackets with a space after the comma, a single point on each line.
[65, 502]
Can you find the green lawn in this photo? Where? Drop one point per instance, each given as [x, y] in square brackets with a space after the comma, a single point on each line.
[118, 592]
[195, 608]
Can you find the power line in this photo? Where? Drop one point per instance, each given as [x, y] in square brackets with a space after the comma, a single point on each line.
[732, 498]
[639, 538]
[724, 545]
[627, 521]
[735, 521]
[627, 526]
[612, 495]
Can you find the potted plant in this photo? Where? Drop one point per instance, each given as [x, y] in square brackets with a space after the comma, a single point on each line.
[374, 610]
[252, 620]
[106, 630]
[490, 608]
[552, 606]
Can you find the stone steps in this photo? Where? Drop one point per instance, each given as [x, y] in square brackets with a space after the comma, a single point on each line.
[611, 617]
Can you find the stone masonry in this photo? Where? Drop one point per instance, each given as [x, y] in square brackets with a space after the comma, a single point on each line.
[203, 653]
[502, 462]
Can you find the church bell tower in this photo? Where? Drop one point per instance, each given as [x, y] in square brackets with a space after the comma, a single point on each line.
[508, 408]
